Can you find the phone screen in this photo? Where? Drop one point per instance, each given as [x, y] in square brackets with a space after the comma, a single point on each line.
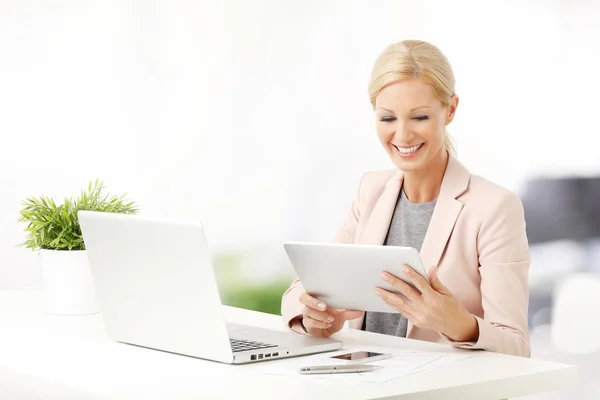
[359, 355]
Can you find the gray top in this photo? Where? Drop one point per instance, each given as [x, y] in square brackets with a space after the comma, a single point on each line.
[407, 228]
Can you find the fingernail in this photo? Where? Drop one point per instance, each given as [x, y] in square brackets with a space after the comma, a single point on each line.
[321, 306]
[378, 291]
[329, 325]
[330, 319]
[385, 277]
[406, 270]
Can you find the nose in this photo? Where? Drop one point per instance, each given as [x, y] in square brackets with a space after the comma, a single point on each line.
[402, 133]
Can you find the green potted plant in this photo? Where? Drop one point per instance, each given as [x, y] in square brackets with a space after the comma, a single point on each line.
[53, 230]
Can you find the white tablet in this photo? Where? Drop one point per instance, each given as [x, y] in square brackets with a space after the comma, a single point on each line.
[345, 276]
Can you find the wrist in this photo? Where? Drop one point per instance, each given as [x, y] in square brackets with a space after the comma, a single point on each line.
[468, 331]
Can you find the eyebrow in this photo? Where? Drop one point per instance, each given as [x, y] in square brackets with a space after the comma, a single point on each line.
[411, 110]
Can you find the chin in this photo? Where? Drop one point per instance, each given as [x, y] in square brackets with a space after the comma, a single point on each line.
[408, 166]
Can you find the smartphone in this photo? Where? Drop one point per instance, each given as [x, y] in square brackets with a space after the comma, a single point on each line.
[361, 357]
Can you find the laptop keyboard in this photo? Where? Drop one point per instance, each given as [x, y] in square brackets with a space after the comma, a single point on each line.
[244, 345]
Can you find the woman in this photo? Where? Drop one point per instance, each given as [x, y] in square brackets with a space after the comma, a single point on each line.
[470, 231]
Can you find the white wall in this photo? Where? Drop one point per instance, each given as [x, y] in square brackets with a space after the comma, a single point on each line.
[253, 117]
[120, 90]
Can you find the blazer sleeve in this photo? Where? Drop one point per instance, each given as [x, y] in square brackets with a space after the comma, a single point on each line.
[504, 262]
[291, 308]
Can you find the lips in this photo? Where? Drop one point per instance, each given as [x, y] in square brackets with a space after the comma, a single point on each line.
[409, 150]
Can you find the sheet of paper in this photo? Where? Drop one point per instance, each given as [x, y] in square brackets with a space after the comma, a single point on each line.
[443, 360]
[403, 362]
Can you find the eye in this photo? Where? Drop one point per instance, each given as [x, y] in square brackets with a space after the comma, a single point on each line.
[420, 117]
[387, 119]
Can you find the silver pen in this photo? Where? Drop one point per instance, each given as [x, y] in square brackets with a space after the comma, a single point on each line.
[336, 369]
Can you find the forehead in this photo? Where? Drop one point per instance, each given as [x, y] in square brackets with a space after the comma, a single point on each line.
[405, 95]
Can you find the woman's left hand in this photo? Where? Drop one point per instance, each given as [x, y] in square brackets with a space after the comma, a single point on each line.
[431, 306]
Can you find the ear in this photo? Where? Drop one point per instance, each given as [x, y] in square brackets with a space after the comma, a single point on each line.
[451, 110]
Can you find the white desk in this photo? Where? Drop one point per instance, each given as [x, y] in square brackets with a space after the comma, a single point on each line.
[53, 357]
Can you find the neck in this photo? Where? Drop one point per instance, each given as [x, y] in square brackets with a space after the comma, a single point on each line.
[423, 185]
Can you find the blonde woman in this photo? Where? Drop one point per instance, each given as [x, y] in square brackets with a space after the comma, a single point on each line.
[470, 231]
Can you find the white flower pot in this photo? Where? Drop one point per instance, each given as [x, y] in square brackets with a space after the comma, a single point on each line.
[68, 283]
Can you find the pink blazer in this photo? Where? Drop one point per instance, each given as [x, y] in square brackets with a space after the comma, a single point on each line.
[477, 239]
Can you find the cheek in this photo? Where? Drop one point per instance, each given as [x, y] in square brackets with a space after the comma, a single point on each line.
[385, 132]
[431, 131]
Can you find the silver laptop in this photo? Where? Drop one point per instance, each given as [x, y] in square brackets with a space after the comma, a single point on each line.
[157, 288]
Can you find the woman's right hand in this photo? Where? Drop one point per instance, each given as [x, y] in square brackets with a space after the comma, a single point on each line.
[320, 321]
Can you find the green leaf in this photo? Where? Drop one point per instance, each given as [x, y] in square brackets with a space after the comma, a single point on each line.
[65, 214]
[52, 226]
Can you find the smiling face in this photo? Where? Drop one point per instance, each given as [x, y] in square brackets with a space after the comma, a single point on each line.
[411, 123]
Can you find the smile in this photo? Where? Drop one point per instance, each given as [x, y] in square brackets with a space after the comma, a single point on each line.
[409, 150]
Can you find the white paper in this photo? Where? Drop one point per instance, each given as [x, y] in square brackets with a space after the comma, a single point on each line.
[443, 360]
[402, 363]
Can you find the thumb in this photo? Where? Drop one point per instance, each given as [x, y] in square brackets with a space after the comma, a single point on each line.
[435, 282]
[349, 314]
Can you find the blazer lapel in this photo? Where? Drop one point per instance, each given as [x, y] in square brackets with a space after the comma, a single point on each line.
[447, 209]
[377, 228]
[445, 214]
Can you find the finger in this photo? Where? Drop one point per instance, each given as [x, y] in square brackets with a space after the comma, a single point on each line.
[436, 284]
[408, 314]
[311, 302]
[403, 307]
[317, 315]
[310, 323]
[395, 301]
[411, 318]
[347, 315]
[417, 280]
[401, 286]
[412, 312]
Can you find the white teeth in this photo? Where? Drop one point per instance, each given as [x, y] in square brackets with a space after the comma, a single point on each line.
[409, 150]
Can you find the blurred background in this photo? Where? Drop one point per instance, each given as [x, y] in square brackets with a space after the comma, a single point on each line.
[252, 117]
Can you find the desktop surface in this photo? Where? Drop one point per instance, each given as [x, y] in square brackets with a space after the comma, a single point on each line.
[76, 352]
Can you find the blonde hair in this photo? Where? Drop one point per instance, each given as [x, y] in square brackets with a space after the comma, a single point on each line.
[414, 59]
